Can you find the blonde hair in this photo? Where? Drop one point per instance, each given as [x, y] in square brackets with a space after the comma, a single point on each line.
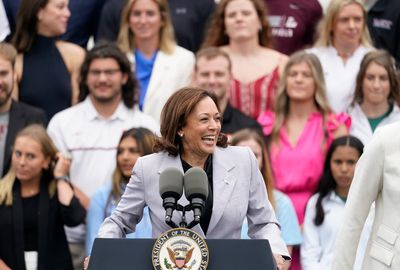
[126, 38]
[282, 98]
[37, 133]
[325, 27]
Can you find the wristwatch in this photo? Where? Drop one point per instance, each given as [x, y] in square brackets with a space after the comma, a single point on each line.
[64, 177]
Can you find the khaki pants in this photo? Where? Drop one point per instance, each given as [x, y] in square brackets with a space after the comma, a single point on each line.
[78, 254]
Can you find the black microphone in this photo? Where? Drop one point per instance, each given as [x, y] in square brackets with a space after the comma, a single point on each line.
[171, 189]
[196, 190]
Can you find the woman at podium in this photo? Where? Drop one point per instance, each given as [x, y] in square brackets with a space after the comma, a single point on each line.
[190, 137]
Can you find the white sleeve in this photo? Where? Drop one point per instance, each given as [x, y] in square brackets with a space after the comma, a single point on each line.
[311, 249]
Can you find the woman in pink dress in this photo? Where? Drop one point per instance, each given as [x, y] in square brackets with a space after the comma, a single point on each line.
[300, 131]
[241, 29]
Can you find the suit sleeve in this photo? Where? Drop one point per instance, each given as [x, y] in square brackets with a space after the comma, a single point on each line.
[129, 210]
[73, 214]
[260, 214]
[361, 195]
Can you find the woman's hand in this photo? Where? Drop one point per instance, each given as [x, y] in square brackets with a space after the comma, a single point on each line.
[62, 165]
[61, 169]
[86, 263]
[280, 262]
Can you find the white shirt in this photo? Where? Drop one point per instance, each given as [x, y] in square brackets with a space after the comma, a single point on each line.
[317, 248]
[92, 142]
[360, 126]
[340, 78]
[4, 25]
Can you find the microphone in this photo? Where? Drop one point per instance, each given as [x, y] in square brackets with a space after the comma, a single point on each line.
[171, 189]
[196, 190]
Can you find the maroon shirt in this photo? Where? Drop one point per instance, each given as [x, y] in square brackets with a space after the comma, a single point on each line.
[293, 23]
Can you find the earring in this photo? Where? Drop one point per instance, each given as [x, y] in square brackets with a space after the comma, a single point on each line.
[180, 134]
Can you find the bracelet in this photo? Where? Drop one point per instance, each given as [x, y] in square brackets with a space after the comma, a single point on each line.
[64, 177]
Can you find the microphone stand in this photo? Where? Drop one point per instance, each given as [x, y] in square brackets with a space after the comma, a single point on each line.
[183, 222]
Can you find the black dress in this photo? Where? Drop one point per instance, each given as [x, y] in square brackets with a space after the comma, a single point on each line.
[45, 82]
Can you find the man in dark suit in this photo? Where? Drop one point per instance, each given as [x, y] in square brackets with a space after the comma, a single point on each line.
[13, 115]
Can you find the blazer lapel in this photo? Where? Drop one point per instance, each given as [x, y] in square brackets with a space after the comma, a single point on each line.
[16, 122]
[18, 222]
[223, 184]
[43, 216]
[160, 71]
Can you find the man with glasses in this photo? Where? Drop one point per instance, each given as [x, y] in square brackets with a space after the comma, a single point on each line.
[90, 130]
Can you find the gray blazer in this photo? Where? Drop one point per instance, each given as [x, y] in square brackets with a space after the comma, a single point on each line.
[239, 192]
[377, 178]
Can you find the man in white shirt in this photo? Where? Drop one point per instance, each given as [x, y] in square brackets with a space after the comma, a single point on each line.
[90, 131]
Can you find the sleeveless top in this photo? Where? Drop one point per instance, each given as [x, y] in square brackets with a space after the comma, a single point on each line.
[297, 168]
[255, 97]
[45, 82]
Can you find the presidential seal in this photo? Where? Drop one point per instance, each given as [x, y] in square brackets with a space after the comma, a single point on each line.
[180, 249]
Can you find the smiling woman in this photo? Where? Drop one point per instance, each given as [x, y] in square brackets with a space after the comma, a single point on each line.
[190, 129]
[146, 36]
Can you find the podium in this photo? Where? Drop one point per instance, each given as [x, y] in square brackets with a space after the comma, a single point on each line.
[135, 254]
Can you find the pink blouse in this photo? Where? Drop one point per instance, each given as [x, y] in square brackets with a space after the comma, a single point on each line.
[255, 97]
[298, 168]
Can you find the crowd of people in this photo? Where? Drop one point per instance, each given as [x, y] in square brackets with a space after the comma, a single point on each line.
[277, 100]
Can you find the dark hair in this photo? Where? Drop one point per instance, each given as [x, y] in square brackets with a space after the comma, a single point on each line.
[385, 60]
[145, 142]
[173, 117]
[26, 25]
[327, 183]
[109, 50]
[216, 33]
[211, 53]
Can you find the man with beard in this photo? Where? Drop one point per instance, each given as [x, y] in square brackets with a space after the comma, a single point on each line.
[90, 131]
[14, 115]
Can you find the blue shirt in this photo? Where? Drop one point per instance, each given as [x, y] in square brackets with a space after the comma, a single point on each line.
[144, 67]
[100, 208]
